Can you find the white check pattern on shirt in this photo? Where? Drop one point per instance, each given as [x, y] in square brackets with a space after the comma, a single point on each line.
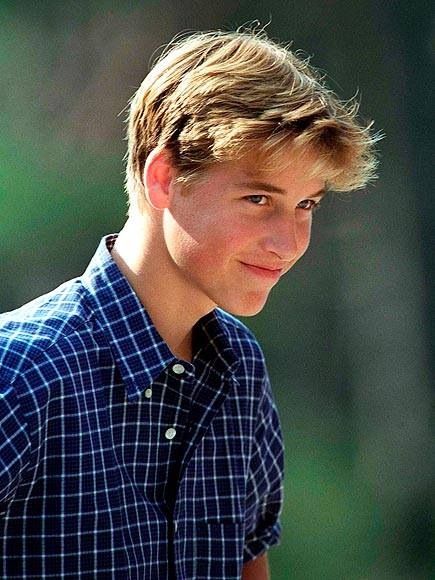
[91, 485]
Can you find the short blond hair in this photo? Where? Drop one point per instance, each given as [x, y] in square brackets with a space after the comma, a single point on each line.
[216, 96]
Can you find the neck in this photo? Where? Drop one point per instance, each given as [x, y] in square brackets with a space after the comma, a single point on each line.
[142, 257]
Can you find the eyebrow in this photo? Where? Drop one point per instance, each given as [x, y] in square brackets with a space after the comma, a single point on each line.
[263, 186]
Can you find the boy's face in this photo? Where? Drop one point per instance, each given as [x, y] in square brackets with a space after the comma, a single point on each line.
[233, 235]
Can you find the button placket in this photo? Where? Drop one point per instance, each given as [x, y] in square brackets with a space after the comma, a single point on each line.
[178, 369]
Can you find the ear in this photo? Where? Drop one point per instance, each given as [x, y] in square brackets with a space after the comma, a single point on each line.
[158, 178]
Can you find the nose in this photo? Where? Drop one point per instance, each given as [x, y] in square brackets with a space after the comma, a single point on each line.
[288, 238]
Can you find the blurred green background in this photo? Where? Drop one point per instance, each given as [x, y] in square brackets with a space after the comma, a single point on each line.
[348, 334]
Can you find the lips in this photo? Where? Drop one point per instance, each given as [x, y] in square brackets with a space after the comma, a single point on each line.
[268, 272]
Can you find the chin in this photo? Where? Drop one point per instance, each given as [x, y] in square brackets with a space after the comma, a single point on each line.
[245, 309]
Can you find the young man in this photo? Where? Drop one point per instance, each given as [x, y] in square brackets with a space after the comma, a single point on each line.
[139, 438]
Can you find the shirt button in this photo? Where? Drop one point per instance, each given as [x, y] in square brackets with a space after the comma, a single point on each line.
[148, 393]
[178, 369]
[170, 433]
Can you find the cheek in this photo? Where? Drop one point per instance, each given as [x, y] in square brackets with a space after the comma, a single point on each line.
[217, 248]
[206, 240]
[304, 234]
[181, 246]
[203, 246]
[179, 243]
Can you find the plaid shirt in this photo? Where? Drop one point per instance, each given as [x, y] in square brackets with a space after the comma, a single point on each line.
[117, 460]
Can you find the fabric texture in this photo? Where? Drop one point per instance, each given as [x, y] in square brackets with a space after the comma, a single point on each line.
[117, 460]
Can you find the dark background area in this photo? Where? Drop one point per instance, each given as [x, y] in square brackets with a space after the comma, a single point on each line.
[348, 334]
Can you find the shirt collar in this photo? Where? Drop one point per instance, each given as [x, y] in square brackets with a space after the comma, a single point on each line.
[139, 350]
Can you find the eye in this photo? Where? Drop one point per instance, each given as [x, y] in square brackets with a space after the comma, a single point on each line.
[309, 204]
[257, 199]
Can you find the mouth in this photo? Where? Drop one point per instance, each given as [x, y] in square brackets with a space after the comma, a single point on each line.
[264, 272]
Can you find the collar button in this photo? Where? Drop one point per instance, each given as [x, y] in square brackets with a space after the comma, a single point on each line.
[178, 369]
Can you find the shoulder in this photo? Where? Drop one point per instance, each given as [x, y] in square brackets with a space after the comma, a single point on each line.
[26, 334]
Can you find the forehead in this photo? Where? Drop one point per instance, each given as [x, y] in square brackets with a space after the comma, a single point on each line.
[264, 161]
[247, 175]
[281, 171]
[286, 166]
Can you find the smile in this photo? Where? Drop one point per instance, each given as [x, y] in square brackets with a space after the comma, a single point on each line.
[263, 272]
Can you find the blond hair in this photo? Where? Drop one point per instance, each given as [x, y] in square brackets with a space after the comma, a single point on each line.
[216, 96]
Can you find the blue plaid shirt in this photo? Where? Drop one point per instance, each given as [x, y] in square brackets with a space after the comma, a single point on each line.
[117, 460]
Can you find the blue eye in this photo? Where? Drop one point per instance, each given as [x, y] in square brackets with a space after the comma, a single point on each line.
[257, 199]
[309, 204]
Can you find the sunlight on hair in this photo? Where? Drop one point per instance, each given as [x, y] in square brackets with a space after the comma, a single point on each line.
[212, 97]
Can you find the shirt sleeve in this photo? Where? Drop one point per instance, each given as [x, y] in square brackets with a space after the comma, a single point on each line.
[265, 485]
[14, 444]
